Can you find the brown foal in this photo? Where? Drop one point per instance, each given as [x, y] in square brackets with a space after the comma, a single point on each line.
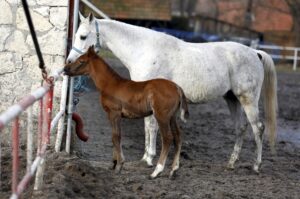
[121, 97]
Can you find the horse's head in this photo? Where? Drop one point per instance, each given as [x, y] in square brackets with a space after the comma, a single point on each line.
[81, 66]
[86, 36]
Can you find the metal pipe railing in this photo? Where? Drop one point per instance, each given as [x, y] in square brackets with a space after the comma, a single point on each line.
[95, 9]
[45, 118]
[15, 110]
[71, 85]
[44, 95]
[60, 115]
[69, 120]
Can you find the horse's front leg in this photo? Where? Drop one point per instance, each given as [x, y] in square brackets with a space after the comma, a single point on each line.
[118, 157]
[151, 128]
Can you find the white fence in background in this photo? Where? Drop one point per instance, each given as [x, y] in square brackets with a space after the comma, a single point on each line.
[282, 56]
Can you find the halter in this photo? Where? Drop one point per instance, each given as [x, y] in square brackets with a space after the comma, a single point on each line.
[97, 46]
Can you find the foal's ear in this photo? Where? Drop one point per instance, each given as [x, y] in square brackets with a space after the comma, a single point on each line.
[91, 51]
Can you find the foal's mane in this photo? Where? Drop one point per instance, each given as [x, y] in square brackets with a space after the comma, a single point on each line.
[108, 67]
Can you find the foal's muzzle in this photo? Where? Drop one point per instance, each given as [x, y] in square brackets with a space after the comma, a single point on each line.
[66, 70]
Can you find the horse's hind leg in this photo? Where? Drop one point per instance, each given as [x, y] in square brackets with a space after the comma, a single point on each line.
[166, 138]
[240, 127]
[252, 113]
[178, 142]
[151, 128]
[147, 139]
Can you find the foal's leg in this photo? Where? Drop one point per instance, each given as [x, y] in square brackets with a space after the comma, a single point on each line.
[151, 128]
[118, 157]
[166, 138]
[178, 142]
[240, 127]
[252, 112]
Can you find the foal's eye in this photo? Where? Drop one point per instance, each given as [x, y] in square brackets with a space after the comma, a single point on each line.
[81, 61]
[82, 37]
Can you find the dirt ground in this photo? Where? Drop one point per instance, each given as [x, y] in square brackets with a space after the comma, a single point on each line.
[208, 142]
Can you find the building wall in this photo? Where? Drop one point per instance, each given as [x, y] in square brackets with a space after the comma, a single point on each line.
[134, 9]
[267, 15]
[19, 70]
[272, 17]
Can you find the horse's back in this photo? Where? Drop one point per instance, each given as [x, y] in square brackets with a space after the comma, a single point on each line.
[204, 71]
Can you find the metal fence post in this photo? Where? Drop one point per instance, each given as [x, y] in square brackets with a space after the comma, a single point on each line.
[295, 59]
[60, 128]
[70, 111]
[29, 138]
[15, 155]
[47, 112]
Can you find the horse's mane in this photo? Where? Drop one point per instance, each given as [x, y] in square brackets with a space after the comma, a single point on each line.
[132, 30]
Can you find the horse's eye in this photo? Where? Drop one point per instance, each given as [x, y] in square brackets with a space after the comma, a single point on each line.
[82, 37]
[81, 61]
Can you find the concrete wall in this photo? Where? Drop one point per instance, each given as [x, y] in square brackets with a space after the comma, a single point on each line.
[19, 71]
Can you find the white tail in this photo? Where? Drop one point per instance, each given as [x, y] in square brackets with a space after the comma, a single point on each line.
[270, 97]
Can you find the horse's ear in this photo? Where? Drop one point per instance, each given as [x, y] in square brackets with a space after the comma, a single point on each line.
[91, 17]
[81, 17]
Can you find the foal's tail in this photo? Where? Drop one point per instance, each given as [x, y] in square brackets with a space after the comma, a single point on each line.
[270, 97]
[184, 112]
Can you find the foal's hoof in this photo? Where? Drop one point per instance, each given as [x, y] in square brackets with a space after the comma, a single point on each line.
[118, 169]
[113, 166]
[153, 176]
[173, 175]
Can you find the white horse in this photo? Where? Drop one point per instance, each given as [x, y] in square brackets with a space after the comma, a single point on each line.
[204, 71]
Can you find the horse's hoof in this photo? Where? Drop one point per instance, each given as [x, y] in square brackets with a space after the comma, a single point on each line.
[230, 167]
[149, 160]
[149, 163]
[144, 163]
[256, 168]
[143, 159]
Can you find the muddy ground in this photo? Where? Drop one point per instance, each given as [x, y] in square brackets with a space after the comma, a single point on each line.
[208, 141]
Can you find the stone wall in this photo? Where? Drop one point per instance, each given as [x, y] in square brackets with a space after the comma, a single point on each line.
[19, 71]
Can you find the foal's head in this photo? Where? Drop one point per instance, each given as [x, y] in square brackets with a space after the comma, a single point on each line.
[82, 65]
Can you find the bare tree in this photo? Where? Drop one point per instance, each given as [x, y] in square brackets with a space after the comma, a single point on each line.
[187, 7]
[249, 14]
[294, 6]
